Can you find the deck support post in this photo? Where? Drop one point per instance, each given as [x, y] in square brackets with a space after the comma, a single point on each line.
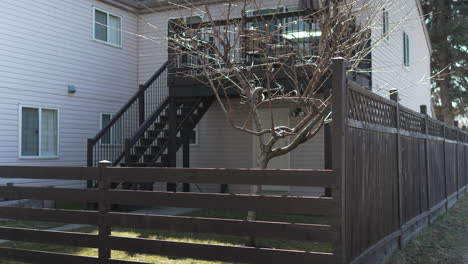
[186, 156]
[172, 144]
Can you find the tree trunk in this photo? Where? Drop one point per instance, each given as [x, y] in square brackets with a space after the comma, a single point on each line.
[262, 163]
[443, 58]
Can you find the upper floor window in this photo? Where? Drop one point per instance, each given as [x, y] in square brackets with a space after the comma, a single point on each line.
[406, 55]
[107, 28]
[385, 24]
[39, 132]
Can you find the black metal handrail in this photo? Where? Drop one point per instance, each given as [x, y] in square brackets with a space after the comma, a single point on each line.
[109, 142]
[129, 144]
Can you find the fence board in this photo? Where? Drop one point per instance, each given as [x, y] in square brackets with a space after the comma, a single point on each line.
[50, 237]
[317, 178]
[461, 166]
[372, 196]
[436, 171]
[414, 194]
[41, 257]
[451, 167]
[217, 252]
[37, 193]
[292, 231]
[261, 203]
[50, 215]
[53, 173]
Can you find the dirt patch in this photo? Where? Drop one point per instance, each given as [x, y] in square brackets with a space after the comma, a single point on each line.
[445, 241]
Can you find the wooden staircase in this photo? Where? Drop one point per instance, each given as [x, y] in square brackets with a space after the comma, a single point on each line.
[152, 147]
[150, 128]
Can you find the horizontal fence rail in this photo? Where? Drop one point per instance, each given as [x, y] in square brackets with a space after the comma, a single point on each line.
[105, 219]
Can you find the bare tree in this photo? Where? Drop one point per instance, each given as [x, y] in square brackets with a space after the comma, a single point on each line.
[270, 58]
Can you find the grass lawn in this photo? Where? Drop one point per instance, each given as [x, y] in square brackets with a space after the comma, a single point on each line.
[185, 237]
[446, 241]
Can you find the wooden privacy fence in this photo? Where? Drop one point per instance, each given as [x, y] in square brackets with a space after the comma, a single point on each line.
[402, 170]
[105, 219]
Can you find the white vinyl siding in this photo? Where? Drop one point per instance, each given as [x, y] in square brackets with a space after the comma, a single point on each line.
[389, 71]
[107, 28]
[42, 52]
[39, 132]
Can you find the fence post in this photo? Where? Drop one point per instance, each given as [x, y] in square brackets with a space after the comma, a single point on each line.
[339, 128]
[103, 207]
[423, 110]
[327, 131]
[394, 97]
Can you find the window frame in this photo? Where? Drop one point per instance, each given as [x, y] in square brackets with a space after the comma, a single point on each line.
[20, 130]
[385, 24]
[112, 131]
[197, 140]
[406, 50]
[107, 28]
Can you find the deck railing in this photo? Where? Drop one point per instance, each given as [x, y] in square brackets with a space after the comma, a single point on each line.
[109, 143]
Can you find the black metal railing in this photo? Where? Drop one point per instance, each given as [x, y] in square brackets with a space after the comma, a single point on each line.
[251, 40]
[109, 143]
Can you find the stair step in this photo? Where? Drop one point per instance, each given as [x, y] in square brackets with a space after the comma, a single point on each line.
[156, 132]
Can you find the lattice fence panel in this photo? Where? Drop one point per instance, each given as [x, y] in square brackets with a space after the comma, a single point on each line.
[411, 121]
[369, 110]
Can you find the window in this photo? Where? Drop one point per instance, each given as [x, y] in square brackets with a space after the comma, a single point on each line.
[406, 55]
[385, 25]
[114, 135]
[39, 132]
[194, 136]
[107, 28]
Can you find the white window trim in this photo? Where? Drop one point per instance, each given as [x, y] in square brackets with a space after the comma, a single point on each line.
[111, 131]
[94, 28]
[386, 35]
[20, 126]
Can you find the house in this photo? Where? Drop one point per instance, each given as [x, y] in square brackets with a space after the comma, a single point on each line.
[68, 66]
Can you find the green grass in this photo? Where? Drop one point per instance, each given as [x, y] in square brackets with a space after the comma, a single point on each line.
[185, 237]
[441, 242]
[70, 205]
